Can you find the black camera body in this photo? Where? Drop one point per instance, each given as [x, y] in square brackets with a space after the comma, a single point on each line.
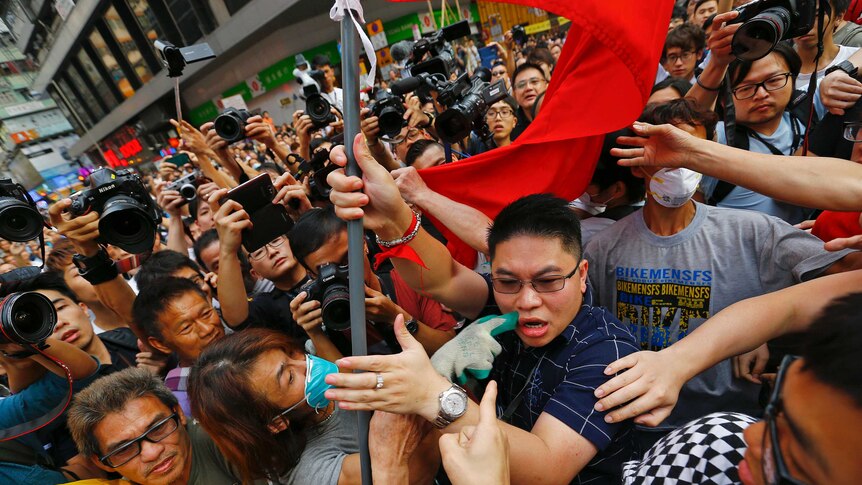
[176, 58]
[20, 221]
[317, 107]
[230, 125]
[767, 22]
[315, 170]
[187, 186]
[128, 216]
[330, 288]
[467, 101]
[442, 60]
[26, 318]
[389, 109]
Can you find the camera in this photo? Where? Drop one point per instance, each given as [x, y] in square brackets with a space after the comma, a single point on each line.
[128, 216]
[767, 22]
[20, 221]
[176, 58]
[330, 289]
[26, 318]
[316, 170]
[389, 109]
[187, 186]
[316, 106]
[442, 59]
[519, 34]
[230, 125]
[467, 100]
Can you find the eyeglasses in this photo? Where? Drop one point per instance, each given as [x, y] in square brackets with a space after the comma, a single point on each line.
[125, 452]
[853, 131]
[503, 114]
[498, 73]
[261, 253]
[545, 284]
[774, 83]
[684, 57]
[534, 83]
[775, 470]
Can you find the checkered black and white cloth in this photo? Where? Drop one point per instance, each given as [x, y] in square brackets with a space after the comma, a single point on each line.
[705, 451]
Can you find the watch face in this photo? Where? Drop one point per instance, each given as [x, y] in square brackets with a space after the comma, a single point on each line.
[454, 403]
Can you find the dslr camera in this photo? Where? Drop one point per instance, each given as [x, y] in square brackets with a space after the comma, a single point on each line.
[26, 318]
[230, 125]
[767, 22]
[389, 109]
[316, 106]
[128, 216]
[442, 59]
[330, 289]
[20, 221]
[519, 34]
[187, 186]
[467, 100]
[316, 170]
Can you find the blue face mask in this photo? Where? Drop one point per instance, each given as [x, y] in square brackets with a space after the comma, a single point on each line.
[316, 370]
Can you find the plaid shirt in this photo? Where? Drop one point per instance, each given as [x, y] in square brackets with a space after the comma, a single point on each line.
[177, 381]
[567, 372]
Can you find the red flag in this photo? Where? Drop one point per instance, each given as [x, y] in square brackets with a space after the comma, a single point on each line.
[600, 84]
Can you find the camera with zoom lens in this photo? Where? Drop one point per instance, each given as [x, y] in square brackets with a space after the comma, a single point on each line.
[20, 221]
[317, 107]
[467, 100]
[442, 60]
[26, 318]
[331, 290]
[767, 22]
[230, 125]
[128, 216]
[389, 109]
[316, 170]
[187, 186]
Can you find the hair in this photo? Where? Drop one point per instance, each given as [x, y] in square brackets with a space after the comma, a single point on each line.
[204, 241]
[155, 298]
[608, 171]
[523, 67]
[738, 69]
[541, 215]
[687, 37]
[417, 149]
[111, 394]
[679, 12]
[161, 264]
[542, 54]
[312, 230]
[234, 413]
[49, 280]
[60, 256]
[701, 2]
[678, 112]
[680, 85]
[271, 166]
[320, 60]
[512, 103]
[840, 6]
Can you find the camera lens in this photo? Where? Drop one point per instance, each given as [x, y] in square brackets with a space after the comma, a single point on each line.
[453, 126]
[188, 192]
[125, 224]
[229, 127]
[335, 307]
[391, 122]
[26, 318]
[18, 221]
[757, 37]
[318, 109]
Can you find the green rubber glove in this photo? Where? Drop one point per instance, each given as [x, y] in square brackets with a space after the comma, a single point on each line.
[474, 349]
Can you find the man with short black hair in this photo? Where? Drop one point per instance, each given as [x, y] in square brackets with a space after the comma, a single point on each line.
[329, 90]
[683, 49]
[130, 423]
[847, 32]
[528, 82]
[703, 9]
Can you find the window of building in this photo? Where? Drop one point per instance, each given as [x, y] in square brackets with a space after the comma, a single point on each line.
[193, 19]
[111, 65]
[96, 80]
[127, 45]
[148, 20]
[67, 95]
[233, 6]
[83, 89]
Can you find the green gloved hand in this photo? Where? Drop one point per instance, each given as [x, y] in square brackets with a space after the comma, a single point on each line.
[474, 349]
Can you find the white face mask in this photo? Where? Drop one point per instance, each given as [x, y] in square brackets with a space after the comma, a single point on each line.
[586, 204]
[673, 187]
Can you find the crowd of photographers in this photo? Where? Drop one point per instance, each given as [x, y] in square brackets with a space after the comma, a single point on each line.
[201, 314]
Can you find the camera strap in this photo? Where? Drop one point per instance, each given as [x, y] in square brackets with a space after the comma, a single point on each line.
[36, 424]
[812, 83]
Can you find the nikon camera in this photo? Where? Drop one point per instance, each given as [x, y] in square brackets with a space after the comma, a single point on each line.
[128, 215]
[19, 219]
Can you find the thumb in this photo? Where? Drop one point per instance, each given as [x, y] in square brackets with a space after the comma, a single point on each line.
[488, 406]
[404, 338]
[646, 129]
[367, 164]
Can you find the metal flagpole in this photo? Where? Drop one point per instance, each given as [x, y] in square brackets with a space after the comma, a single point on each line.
[355, 239]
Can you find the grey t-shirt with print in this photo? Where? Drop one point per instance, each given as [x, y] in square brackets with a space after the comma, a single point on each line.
[665, 287]
[327, 445]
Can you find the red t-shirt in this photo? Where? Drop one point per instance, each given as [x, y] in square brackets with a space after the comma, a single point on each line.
[422, 308]
[831, 225]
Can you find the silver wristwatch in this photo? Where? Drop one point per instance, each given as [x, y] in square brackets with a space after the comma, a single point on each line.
[453, 405]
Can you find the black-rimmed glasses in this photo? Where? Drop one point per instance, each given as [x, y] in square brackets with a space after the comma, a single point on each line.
[260, 253]
[775, 470]
[773, 83]
[545, 284]
[125, 452]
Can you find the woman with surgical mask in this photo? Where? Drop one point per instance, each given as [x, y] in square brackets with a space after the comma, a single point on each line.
[260, 397]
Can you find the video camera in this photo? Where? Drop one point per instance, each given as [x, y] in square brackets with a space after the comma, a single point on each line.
[230, 125]
[128, 217]
[176, 58]
[442, 59]
[330, 288]
[767, 22]
[187, 186]
[316, 106]
[20, 221]
[389, 109]
[26, 318]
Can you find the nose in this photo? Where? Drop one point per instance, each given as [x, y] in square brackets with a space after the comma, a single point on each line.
[528, 298]
[60, 325]
[150, 451]
[760, 92]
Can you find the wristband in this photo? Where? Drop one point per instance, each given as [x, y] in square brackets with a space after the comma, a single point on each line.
[412, 326]
[715, 90]
[845, 66]
[431, 119]
[96, 269]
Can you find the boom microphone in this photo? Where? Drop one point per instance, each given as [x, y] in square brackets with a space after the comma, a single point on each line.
[404, 86]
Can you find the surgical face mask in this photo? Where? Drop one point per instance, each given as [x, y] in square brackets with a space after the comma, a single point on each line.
[673, 187]
[316, 370]
[586, 204]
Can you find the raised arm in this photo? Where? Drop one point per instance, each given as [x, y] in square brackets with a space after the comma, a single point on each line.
[705, 91]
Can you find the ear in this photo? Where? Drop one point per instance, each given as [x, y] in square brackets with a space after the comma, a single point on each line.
[583, 271]
[84, 307]
[159, 346]
[254, 274]
[95, 460]
[618, 189]
[700, 53]
[181, 414]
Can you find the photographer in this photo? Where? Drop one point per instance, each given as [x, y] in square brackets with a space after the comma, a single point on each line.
[329, 90]
[414, 117]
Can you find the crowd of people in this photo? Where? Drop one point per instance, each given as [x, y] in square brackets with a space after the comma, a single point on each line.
[691, 318]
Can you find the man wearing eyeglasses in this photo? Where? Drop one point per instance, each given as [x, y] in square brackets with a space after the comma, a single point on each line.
[683, 48]
[130, 423]
[528, 82]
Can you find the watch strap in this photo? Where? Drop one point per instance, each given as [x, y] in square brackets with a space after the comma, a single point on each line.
[845, 66]
[412, 326]
[96, 269]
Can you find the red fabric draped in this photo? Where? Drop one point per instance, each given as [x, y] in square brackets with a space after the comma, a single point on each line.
[600, 84]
